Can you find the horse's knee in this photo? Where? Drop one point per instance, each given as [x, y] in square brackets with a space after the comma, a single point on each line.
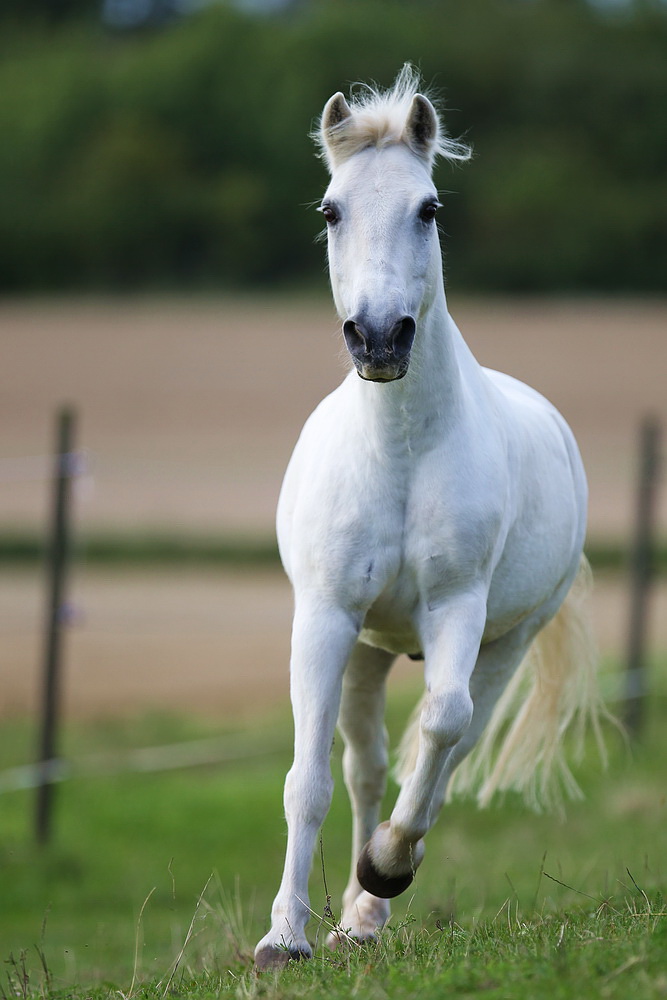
[446, 716]
[307, 794]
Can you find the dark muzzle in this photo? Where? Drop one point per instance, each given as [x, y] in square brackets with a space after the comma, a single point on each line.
[380, 354]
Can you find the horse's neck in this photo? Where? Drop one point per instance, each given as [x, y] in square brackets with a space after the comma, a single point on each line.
[417, 409]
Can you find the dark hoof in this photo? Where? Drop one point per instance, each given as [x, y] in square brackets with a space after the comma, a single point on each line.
[274, 959]
[378, 884]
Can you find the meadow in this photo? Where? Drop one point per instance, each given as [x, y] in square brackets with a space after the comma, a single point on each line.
[159, 883]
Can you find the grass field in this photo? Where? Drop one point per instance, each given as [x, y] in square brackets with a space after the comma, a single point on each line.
[508, 903]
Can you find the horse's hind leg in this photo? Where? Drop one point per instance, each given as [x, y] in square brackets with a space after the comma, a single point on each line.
[365, 762]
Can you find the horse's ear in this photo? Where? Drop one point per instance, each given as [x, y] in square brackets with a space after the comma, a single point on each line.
[335, 114]
[422, 128]
[336, 110]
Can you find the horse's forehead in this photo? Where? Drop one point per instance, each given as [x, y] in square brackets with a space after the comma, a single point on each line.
[373, 175]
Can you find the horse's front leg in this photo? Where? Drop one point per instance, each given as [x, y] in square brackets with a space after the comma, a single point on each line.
[322, 640]
[451, 637]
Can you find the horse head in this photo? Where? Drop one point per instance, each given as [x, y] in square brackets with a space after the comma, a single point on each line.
[380, 209]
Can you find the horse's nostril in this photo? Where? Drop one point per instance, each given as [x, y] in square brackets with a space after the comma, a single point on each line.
[402, 337]
[355, 339]
[381, 345]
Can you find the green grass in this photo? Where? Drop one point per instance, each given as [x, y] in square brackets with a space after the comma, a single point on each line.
[104, 549]
[506, 904]
[107, 549]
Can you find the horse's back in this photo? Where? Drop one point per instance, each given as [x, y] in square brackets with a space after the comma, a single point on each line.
[543, 440]
[545, 535]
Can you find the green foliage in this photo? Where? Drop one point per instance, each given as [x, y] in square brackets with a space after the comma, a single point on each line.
[181, 157]
[141, 549]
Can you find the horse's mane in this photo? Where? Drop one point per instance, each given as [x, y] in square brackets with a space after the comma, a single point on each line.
[379, 118]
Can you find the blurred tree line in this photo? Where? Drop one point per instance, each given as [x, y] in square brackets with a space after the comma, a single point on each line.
[179, 156]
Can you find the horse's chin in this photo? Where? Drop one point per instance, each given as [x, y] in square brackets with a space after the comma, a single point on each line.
[382, 376]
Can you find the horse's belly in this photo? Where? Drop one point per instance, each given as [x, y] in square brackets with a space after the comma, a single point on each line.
[394, 641]
[389, 623]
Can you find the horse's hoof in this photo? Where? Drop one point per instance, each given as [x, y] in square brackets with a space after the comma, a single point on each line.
[375, 882]
[337, 939]
[270, 959]
[341, 941]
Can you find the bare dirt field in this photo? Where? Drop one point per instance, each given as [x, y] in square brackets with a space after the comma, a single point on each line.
[188, 411]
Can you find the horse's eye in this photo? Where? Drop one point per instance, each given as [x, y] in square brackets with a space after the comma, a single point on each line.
[329, 214]
[428, 211]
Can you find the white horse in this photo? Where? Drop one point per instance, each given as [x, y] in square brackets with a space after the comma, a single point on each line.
[431, 507]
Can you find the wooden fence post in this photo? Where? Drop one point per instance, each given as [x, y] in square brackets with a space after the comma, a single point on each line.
[57, 564]
[642, 569]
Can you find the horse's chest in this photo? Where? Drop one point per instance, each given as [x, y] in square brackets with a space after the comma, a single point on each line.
[389, 550]
[383, 539]
[395, 592]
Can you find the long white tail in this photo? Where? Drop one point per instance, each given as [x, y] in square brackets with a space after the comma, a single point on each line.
[554, 690]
